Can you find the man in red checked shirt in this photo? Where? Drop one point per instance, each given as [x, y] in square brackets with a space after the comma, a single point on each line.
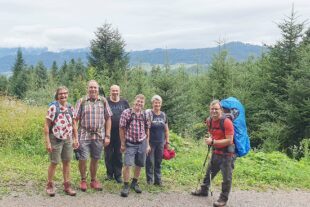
[134, 131]
[94, 117]
[223, 155]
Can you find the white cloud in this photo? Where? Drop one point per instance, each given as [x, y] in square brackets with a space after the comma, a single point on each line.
[143, 24]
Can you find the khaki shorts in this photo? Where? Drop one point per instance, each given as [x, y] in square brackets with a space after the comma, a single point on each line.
[62, 150]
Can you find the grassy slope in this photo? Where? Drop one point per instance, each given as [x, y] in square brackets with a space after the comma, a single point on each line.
[24, 161]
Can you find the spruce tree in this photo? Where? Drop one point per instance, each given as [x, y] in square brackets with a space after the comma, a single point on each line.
[107, 53]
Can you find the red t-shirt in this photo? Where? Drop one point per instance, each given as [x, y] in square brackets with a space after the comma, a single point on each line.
[217, 133]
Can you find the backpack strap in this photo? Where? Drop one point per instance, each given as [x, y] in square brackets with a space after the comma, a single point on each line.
[222, 120]
[131, 118]
[57, 112]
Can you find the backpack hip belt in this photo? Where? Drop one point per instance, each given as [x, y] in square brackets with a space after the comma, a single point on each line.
[92, 132]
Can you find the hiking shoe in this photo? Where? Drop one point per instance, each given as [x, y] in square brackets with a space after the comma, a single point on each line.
[219, 203]
[159, 184]
[68, 190]
[200, 192]
[83, 185]
[50, 189]
[125, 191]
[135, 187]
[95, 184]
[109, 177]
[119, 180]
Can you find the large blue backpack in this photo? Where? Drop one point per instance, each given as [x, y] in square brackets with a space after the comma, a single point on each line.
[234, 110]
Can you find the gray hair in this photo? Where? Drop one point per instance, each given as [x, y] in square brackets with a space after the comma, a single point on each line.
[216, 101]
[60, 88]
[156, 97]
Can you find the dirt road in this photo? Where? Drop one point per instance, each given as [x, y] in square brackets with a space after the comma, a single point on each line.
[175, 199]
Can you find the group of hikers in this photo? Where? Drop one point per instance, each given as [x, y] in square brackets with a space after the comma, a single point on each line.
[98, 123]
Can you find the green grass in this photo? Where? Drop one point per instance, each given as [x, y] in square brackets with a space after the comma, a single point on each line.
[24, 161]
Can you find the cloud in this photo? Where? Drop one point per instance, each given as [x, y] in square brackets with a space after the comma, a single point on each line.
[143, 24]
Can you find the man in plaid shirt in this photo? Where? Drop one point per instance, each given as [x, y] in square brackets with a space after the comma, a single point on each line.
[134, 134]
[94, 116]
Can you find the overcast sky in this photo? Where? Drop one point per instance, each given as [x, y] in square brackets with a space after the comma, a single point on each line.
[144, 24]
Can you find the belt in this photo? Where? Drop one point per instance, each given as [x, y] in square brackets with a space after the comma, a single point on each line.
[132, 142]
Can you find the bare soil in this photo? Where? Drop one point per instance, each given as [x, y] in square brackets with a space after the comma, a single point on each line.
[238, 198]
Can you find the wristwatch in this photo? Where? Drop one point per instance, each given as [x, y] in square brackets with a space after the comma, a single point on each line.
[107, 136]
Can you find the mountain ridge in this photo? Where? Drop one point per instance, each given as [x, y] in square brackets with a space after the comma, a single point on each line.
[238, 50]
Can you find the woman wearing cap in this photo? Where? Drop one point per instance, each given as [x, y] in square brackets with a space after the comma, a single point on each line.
[159, 136]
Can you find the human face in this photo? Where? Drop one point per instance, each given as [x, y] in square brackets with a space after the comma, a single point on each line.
[62, 96]
[93, 89]
[215, 111]
[138, 104]
[156, 105]
[114, 92]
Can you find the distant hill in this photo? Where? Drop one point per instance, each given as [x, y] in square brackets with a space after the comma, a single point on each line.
[238, 50]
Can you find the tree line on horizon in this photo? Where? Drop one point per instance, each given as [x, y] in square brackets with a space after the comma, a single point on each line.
[274, 88]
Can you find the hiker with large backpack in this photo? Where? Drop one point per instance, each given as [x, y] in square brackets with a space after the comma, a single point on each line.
[94, 118]
[221, 138]
[159, 137]
[60, 138]
[134, 135]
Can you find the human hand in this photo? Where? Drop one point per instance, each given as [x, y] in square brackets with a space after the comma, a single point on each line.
[75, 144]
[48, 147]
[123, 148]
[148, 149]
[106, 141]
[208, 139]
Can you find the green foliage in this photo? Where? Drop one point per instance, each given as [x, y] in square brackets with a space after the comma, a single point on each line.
[274, 88]
[108, 52]
[4, 83]
[21, 126]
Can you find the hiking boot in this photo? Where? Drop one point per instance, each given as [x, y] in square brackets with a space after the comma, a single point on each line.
[125, 190]
[50, 189]
[149, 182]
[83, 185]
[160, 184]
[119, 180]
[95, 184]
[135, 187]
[203, 191]
[68, 190]
[219, 203]
[109, 177]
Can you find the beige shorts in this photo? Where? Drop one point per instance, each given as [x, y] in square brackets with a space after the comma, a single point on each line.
[62, 150]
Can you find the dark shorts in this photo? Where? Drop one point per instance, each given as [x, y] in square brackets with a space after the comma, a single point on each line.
[62, 150]
[135, 154]
[92, 147]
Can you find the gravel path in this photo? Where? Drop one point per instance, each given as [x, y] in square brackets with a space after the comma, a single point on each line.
[176, 199]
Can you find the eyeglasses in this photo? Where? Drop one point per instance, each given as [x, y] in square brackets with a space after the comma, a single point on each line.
[65, 93]
[215, 109]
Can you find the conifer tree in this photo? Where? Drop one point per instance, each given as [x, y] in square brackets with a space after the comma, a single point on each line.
[107, 53]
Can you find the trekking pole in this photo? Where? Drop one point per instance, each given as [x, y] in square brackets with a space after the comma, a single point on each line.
[203, 166]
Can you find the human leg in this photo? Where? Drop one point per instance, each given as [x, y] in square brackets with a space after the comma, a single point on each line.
[149, 169]
[158, 157]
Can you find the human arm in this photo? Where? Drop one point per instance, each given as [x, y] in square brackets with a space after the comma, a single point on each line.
[75, 135]
[47, 125]
[219, 142]
[107, 131]
[122, 139]
[167, 135]
[228, 136]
